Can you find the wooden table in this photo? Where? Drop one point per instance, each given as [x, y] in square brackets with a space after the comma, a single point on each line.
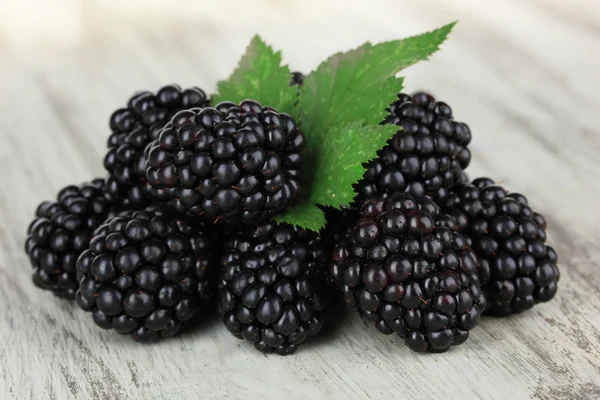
[523, 74]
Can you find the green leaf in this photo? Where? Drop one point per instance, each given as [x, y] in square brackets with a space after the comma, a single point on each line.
[340, 107]
[260, 76]
[339, 163]
[356, 85]
[306, 215]
[324, 150]
[334, 169]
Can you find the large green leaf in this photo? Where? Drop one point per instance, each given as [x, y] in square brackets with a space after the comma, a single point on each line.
[356, 85]
[339, 109]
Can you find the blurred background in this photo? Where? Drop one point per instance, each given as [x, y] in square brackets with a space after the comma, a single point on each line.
[522, 74]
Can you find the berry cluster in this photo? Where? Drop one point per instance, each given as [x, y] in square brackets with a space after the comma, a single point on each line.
[271, 286]
[517, 269]
[183, 214]
[185, 220]
[229, 162]
[426, 156]
[145, 273]
[407, 270]
[133, 127]
[61, 231]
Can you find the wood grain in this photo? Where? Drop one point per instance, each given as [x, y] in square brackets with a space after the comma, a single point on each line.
[524, 75]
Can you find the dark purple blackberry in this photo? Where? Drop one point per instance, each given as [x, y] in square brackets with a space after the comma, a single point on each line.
[271, 290]
[61, 231]
[297, 79]
[427, 155]
[145, 274]
[230, 163]
[407, 270]
[517, 268]
[133, 127]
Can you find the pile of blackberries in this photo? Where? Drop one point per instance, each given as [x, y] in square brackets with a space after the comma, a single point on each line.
[184, 221]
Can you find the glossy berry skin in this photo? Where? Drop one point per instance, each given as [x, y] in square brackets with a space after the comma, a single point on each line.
[133, 127]
[61, 231]
[426, 156]
[227, 164]
[145, 274]
[271, 289]
[518, 269]
[407, 270]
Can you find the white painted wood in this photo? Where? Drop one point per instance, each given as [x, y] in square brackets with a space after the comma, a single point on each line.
[523, 74]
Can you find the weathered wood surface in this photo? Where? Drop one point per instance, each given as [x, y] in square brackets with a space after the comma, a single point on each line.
[523, 74]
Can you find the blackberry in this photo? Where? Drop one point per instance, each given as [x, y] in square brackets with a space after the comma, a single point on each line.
[133, 127]
[427, 155]
[297, 79]
[230, 163]
[407, 270]
[145, 274]
[517, 268]
[271, 289]
[61, 231]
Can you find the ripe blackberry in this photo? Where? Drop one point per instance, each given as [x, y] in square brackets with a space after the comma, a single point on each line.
[231, 163]
[145, 274]
[271, 290]
[61, 231]
[517, 269]
[297, 79]
[427, 155]
[407, 270]
[133, 127]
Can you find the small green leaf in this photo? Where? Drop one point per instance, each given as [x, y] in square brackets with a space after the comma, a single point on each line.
[356, 85]
[260, 76]
[339, 163]
[306, 215]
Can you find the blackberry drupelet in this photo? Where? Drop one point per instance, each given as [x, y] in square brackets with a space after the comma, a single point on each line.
[271, 290]
[145, 274]
[427, 155]
[407, 270]
[297, 79]
[133, 127]
[463, 178]
[61, 231]
[230, 163]
[517, 268]
[442, 195]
